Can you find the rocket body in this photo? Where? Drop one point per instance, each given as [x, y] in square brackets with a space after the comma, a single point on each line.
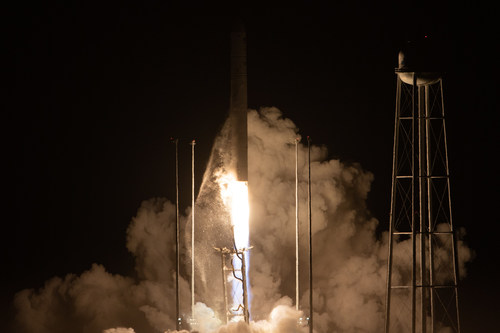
[238, 102]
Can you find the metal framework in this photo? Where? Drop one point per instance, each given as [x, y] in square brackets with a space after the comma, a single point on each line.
[234, 269]
[422, 276]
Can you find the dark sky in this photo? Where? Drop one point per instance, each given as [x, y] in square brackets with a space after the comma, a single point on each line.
[95, 91]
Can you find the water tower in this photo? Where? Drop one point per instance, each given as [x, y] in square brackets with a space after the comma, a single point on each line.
[422, 274]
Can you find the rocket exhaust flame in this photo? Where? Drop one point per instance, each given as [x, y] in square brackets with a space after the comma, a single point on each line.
[235, 196]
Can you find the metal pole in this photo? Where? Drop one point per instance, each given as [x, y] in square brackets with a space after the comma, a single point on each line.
[193, 143]
[224, 279]
[421, 215]
[310, 234]
[246, 314]
[297, 224]
[392, 209]
[413, 206]
[453, 234]
[430, 228]
[177, 252]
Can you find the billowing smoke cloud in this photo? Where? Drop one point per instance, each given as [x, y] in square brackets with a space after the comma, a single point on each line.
[349, 258]
[349, 270]
[98, 300]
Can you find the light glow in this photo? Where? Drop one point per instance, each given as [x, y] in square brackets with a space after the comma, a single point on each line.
[235, 196]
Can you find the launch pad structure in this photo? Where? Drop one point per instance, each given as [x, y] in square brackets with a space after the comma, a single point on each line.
[234, 270]
[422, 273]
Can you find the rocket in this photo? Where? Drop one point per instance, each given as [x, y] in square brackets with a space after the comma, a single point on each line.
[238, 107]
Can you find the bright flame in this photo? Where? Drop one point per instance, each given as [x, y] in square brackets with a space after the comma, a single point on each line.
[235, 196]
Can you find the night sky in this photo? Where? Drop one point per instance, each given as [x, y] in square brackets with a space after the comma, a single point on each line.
[95, 92]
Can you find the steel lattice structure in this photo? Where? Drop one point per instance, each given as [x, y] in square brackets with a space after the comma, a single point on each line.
[422, 275]
[233, 266]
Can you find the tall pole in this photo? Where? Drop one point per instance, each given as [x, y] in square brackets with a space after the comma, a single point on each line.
[310, 234]
[429, 209]
[193, 143]
[414, 195]
[297, 224]
[177, 252]
[422, 97]
[246, 314]
[452, 230]
[224, 279]
[392, 213]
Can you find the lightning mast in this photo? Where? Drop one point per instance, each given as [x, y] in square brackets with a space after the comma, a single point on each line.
[177, 238]
[297, 280]
[193, 320]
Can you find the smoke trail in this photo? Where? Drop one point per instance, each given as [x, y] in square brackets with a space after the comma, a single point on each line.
[350, 260]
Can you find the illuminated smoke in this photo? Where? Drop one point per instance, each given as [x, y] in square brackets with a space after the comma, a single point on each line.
[119, 330]
[350, 258]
